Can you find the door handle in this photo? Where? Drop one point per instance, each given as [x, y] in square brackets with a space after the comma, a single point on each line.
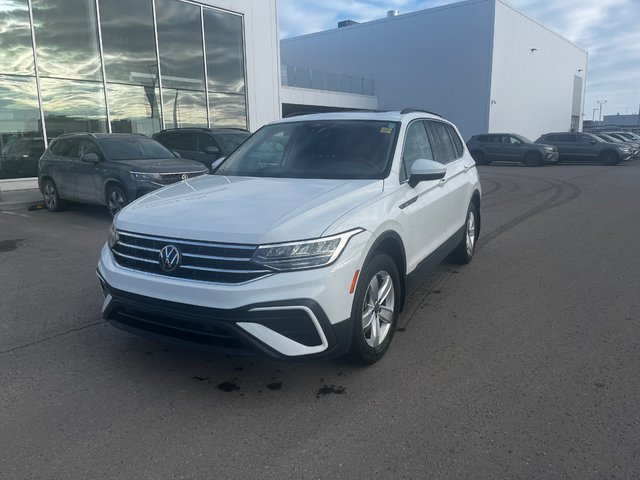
[442, 182]
[467, 168]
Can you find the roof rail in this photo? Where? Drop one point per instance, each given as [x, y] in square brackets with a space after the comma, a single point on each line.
[203, 129]
[70, 134]
[419, 110]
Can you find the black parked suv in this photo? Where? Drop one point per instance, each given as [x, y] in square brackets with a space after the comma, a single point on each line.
[510, 147]
[580, 147]
[109, 169]
[205, 145]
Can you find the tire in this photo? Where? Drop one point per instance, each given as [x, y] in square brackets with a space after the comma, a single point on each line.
[609, 157]
[479, 158]
[116, 199]
[52, 199]
[465, 250]
[533, 159]
[380, 314]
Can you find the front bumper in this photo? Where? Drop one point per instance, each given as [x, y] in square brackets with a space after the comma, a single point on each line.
[289, 315]
[551, 157]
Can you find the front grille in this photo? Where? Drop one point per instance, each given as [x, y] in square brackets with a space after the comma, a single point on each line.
[169, 178]
[201, 261]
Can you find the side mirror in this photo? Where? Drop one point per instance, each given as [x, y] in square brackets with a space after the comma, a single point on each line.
[176, 154]
[90, 158]
[424, 170]
[217, 163]
[211, 150]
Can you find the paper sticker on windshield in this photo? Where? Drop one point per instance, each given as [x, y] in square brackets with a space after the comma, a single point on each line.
[386, 130]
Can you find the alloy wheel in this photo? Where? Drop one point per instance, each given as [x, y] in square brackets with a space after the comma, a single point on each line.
[378, 309]
[116, 202]
[50, 196]
[471, 232]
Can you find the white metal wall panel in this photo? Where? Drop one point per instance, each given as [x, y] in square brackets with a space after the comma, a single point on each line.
[438, 59]
[532, 91]
[262, 57]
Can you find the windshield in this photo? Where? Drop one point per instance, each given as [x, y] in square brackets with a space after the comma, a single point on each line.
[342, 149]
[596, 138]
[609, 138]
[133, 148]
[230, 141]
[523, 139]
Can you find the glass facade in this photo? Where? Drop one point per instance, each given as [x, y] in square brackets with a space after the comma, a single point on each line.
[114, 66]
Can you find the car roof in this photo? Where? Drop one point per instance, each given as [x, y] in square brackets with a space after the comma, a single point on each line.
[100, 135]
[387, 116]
[205, 130]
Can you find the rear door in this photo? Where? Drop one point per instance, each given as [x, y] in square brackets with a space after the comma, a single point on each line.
[586, 147]
[61, 167]
[513, 148]
[565, 142]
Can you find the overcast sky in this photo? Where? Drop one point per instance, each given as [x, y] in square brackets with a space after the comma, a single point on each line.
[608, 29]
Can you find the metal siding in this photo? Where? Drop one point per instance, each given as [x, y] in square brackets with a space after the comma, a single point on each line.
[438, 59]
[533, 91]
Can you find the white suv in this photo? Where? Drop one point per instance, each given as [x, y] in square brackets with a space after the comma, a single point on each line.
[305, 241]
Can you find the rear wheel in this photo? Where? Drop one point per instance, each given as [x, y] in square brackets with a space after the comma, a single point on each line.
[609, 157]
[116, 199]
[532, 159]
[465, 250]
[375, 310]
[51, 196]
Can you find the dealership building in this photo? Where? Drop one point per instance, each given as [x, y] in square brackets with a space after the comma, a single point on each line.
[481, 63]
[131, 66]
[141, 66]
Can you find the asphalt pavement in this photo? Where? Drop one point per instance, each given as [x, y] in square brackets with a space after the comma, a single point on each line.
[522, 365]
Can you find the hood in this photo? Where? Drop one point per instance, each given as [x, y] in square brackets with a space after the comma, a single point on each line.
[536, 144]
[249, 210]
[161, 165]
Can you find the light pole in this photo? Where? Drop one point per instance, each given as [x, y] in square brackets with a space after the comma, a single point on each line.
[594, 114]
[601, 102]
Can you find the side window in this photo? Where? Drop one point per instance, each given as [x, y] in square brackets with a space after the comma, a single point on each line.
[444, 149]
[169, 140]
[205, 141]
[74, 148]
[61, 147]
[87, 146]
[188, 142]
[513, 140]
[455, 139]
[563, 138]
[584, 139]
[416, 145]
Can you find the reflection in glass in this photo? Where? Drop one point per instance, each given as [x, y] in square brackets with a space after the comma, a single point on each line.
[227, 110]
[67, 38]
[225, 54]
[180, 44]
[134, 109]
[21, 140]
[128, 42]
[16, 54]
[183, 108]
[73, 106]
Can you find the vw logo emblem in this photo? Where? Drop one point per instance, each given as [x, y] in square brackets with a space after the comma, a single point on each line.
[169, 258]
[185, 176]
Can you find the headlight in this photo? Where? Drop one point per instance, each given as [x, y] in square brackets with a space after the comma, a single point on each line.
[146, 177]
[304, 254]
[549, 149]
[624, 149]
[113, 236]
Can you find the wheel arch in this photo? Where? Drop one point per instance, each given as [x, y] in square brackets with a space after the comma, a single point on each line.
[390, 243]
[477, 200]
[108, 184]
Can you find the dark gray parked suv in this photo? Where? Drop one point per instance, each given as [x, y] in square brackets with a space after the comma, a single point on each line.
[510, 147]
[205, 145]
[109, 169]
[580, 147]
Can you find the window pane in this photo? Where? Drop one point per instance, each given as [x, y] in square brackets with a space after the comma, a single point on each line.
[128, 41]
[67, 38]
[345, 83]
[317, 80]
[416, 146]
[16, 54]
[134, 109]
[73, 106]
[180, 44]
[303, 77]
[225, 56]
[183, 108]
[21, 140]
[227, 110]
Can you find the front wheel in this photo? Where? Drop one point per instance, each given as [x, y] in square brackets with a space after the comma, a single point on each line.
[609, 157]
[116, 199]
[533, 159]
[375, 310]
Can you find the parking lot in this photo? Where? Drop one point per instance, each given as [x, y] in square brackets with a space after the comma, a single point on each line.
[523, 364]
